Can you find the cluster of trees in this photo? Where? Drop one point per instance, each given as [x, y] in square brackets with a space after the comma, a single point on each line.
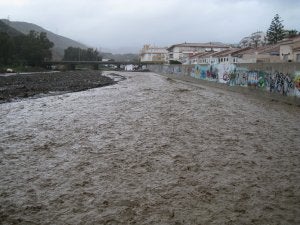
[276, 31]
[25, 50]
[78, 54]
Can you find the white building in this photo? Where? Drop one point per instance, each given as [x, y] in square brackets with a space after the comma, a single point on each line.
[290, 49]
[228, 56]
[153, 54]
[182, 52]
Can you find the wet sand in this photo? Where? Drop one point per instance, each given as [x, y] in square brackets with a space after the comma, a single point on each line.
[149, 150]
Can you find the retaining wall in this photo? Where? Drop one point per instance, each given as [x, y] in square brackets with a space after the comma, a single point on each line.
[276, 78]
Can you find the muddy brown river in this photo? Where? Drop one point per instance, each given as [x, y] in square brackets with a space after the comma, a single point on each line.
[149, 150]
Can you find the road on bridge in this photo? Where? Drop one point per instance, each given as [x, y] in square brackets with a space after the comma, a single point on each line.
[149, 150]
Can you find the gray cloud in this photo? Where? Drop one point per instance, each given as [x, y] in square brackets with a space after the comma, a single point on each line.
[132, 23]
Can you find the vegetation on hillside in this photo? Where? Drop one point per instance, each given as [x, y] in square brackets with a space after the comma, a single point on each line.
[291, 33]
[79, 54]
[60, 43]
[120, 57]
[24, 50]
[9, 30]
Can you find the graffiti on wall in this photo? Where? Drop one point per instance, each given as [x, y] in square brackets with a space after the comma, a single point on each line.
[281, 83]
[297, 80]
[272, 81]
[285, 84]
[225, 72]
[241, 77]
[199, 72]
[205, 72]
[171, 69]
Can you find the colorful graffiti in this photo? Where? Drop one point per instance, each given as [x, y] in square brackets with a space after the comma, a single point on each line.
[229, 74]
[204, 72]
[297, 80]
[225, 72]
[262, 81]
[199, 72]
[252, 78]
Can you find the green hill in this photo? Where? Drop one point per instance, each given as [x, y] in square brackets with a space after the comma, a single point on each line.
[60, 43]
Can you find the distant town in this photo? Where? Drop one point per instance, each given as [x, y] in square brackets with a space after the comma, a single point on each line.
[252, 49]
[24, 44]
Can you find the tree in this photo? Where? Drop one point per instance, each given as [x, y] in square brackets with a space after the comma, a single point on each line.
[275, 32]
[78, 54]
[290, 33]
[35, 48]
[72, 54]
[174, 62]
[32, 49]
[7, 48]
[255, 39]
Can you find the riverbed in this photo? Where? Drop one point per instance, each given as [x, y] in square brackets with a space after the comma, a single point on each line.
[149, 150]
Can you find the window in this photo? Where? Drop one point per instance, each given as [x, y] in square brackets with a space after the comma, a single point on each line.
[298, 58]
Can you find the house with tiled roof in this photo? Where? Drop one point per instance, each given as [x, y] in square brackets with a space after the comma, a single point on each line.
[231, 55]
[182, 52]
[268, 53]
[201, 58]
[290, 49]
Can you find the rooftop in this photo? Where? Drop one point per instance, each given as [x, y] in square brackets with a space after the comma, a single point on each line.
[290, 40]
[224, 53]
[202, 54]
[204, 45]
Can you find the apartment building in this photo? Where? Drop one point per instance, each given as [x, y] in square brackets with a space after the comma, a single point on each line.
[182, 52]
[153, 54]
[290, 49]
[231, 55]
[267, 54]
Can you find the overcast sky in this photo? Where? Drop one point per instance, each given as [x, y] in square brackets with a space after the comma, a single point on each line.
[132, 23]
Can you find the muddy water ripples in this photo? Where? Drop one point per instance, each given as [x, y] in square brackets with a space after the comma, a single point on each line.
[149, 150]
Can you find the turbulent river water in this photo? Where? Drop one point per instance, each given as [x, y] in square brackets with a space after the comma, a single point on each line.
[149, 150]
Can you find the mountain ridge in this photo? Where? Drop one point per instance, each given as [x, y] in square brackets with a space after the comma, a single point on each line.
[9, 30]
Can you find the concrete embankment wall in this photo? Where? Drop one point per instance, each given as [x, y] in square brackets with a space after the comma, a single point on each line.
[277, 81]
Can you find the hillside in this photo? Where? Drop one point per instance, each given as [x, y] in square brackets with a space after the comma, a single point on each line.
[120, 57]
[14, 28]
[9, 30]
[60, 42]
